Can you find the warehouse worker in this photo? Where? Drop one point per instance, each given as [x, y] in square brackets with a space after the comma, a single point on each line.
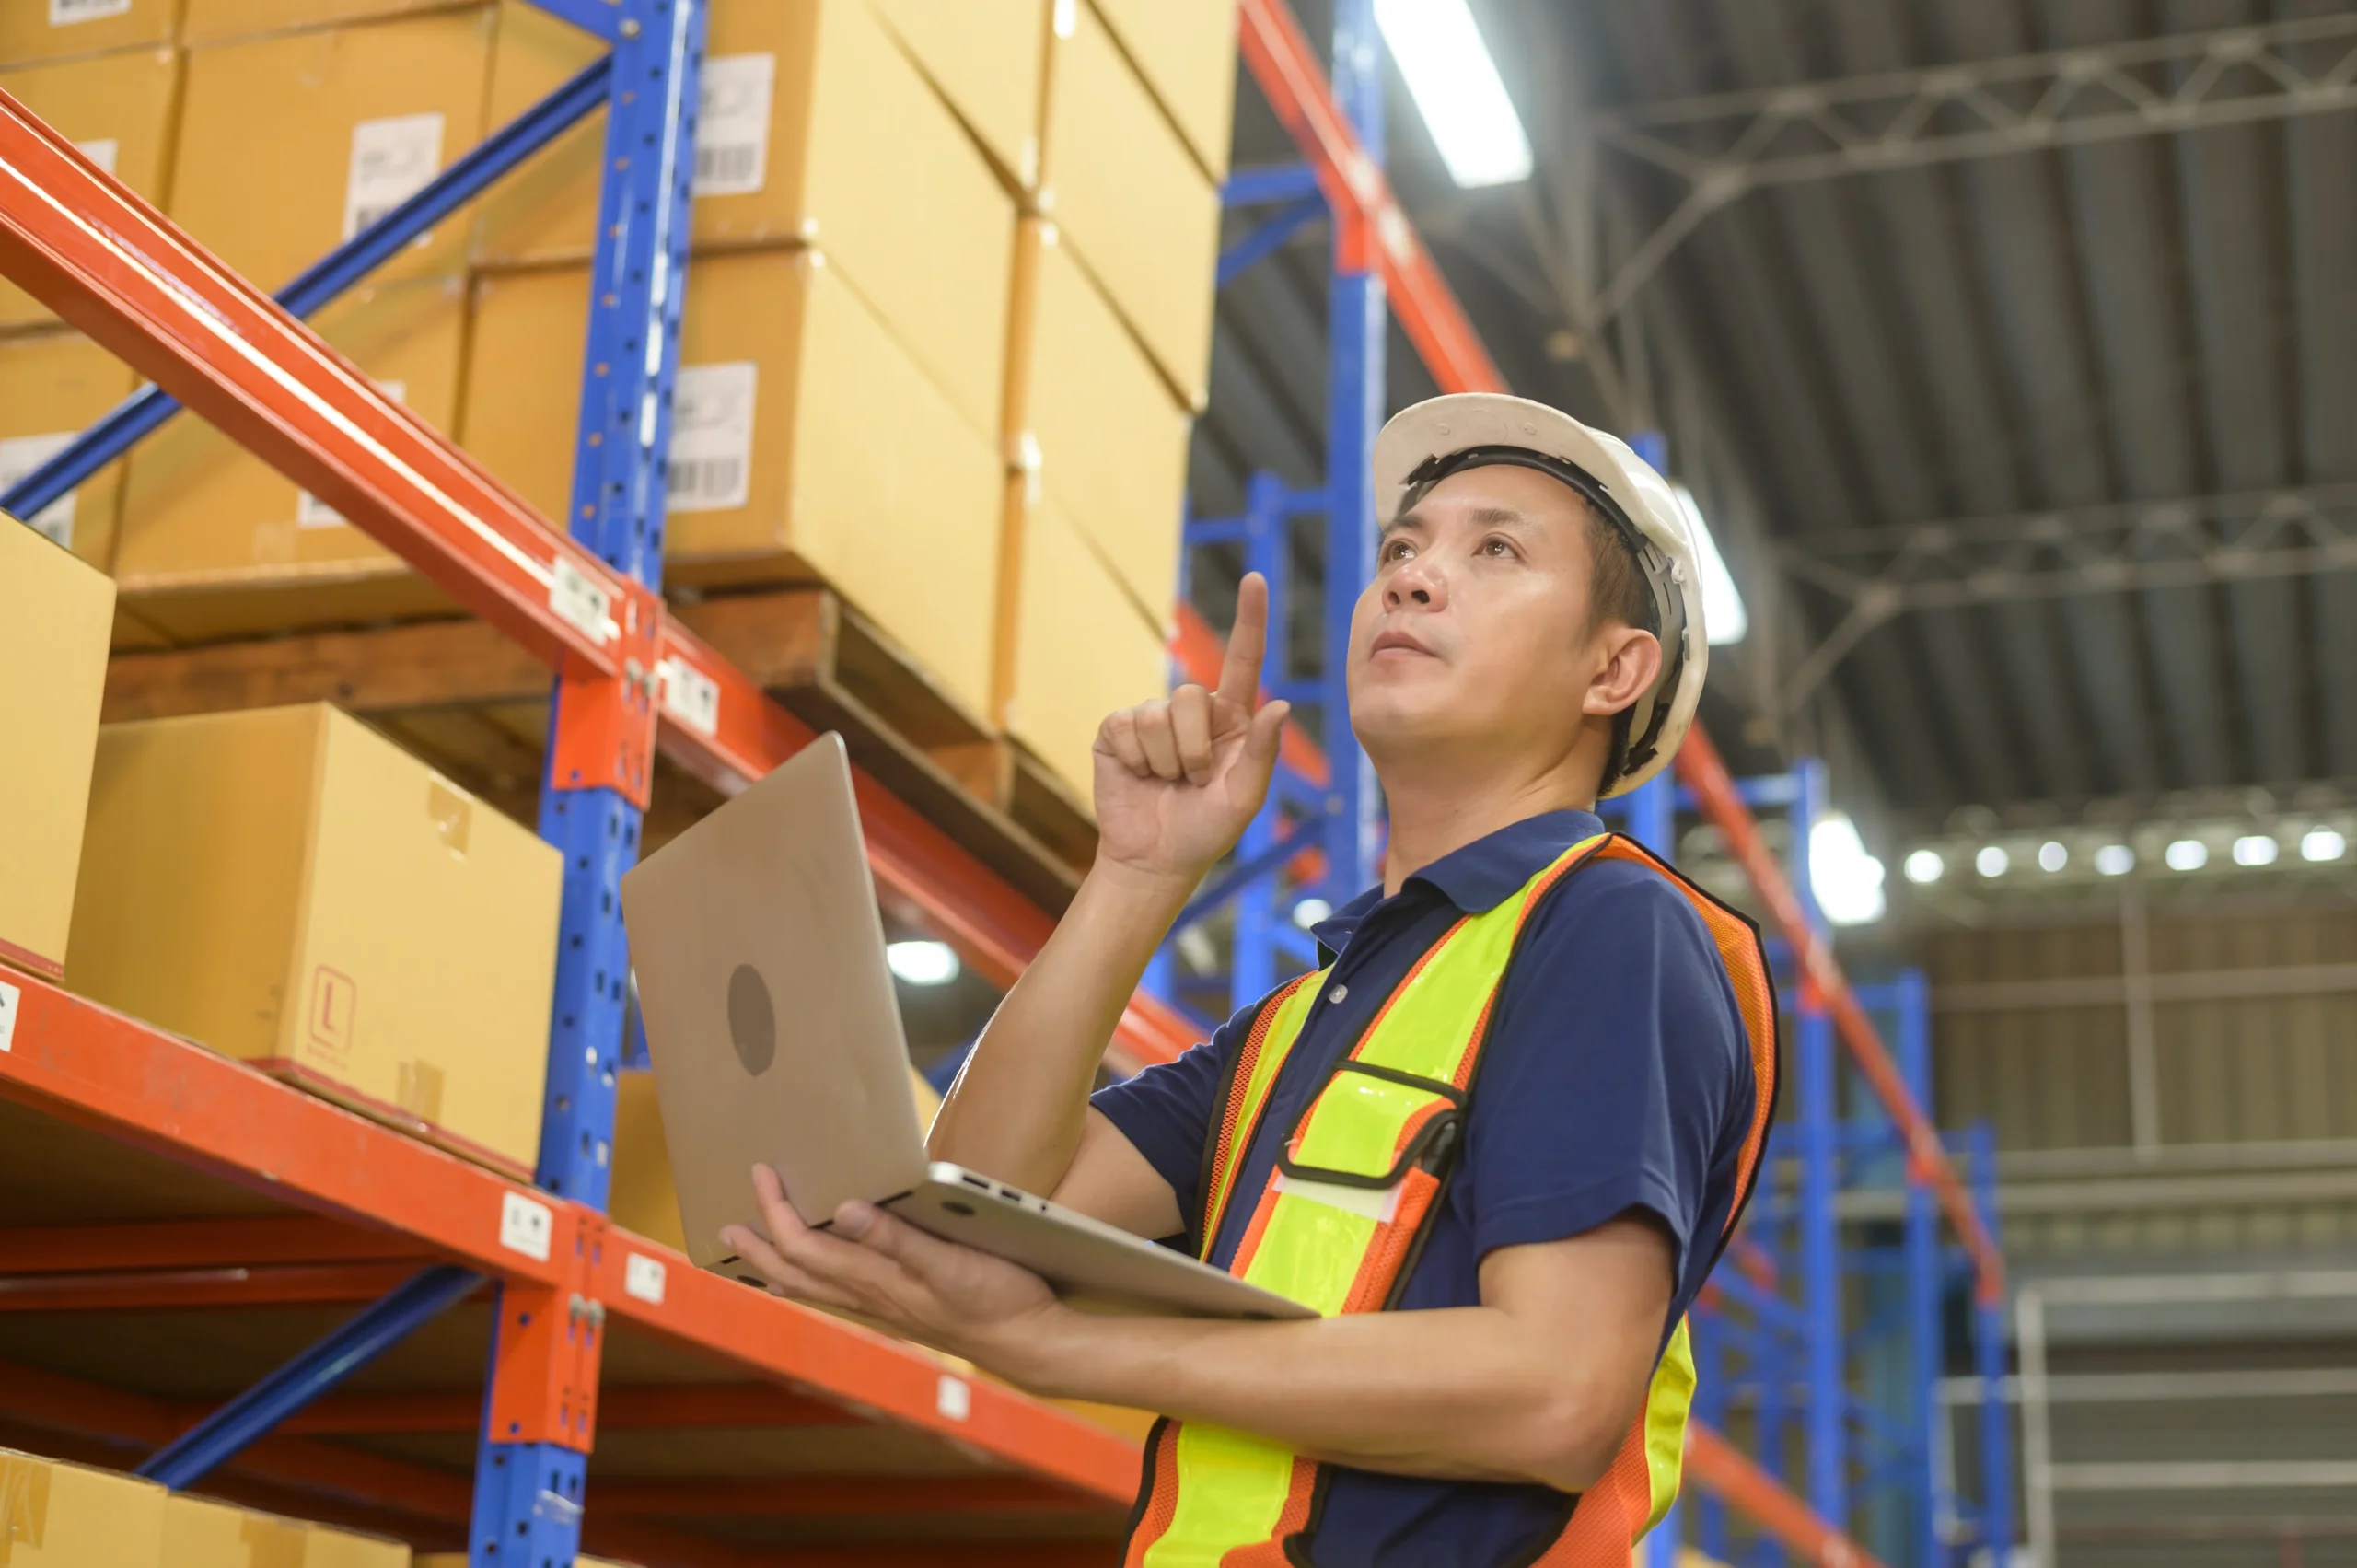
[1499, 1141]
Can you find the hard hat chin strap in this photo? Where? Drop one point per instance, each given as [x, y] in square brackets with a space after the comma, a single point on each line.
[1667, 621]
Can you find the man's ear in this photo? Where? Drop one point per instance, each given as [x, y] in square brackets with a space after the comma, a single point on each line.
[1630, 664]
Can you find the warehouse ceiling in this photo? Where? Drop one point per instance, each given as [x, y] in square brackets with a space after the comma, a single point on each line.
[2011, 346]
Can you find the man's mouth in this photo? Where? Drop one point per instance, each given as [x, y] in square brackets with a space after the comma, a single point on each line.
[1399, 643]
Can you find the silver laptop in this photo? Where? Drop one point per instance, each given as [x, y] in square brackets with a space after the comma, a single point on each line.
[775, 1038]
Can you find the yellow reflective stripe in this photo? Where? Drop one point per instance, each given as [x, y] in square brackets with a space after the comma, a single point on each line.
[1666, 1402]
[1284, 1029]
[1232, 1490]
[1356, 1124]
[1310, 1251]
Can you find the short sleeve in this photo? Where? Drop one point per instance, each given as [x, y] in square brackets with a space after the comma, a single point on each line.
[1614, 1073]
[1166, 1110]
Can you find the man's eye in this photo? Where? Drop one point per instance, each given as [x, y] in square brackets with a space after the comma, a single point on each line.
[1497, 546]
[1395, 549]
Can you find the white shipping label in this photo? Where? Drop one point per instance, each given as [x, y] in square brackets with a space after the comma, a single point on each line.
[733, 125]
[691, 696]
[103, 152]
[712, 437]
[9, 996]
[65, 13]
[392, 159]
[526, 1225]
[20, 455]
[643, 1278]
[311, 511]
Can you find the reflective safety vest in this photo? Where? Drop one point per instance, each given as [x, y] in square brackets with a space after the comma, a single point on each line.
[1346, 1209]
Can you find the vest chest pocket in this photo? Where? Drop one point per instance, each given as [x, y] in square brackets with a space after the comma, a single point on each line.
[1366, 1129]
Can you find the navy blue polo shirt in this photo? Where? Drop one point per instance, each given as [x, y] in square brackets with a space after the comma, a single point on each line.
[1617, 1077]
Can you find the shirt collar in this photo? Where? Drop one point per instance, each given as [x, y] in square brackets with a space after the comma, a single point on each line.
[1479, 877]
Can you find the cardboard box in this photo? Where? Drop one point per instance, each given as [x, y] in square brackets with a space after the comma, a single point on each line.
[200, 1533]
[1087, 409]
[30, 30]
[814, 129]
[289, 887]
[290, 144]
[1073, 646]
[459, 1559]
[213, 542]
[55, 616]
[214, 21]
[804, 444]
[53, 385]
[53, 1515]
[1187, 55]
[986, 58]
[1120, 182]
[642, 1197]
[118, 108]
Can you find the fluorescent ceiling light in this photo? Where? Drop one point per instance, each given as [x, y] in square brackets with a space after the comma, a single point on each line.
[924, 963]
[1992, 860]
[2255, 849]
[1926, 867]
[2115, 860]
[2052, 856]
[1845, 878]
[2187, 854]
[1456, 89]
[2322, 843]
[1723, 614]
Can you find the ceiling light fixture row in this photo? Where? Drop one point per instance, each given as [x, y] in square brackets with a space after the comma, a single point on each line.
[2024, 860]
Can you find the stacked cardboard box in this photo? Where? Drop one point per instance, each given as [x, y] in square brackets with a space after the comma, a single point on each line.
[53, 616]
[53, 1515]
[288, 888]
[200, 1533]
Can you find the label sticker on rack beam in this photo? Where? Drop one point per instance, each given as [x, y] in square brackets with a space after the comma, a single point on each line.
[9, 996]
[691, 696]
[104, 151]
[643, 1277]
[953, 1398]
[525, 1225]
[576, 596]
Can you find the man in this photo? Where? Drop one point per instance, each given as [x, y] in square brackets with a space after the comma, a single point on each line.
[1499, 1141]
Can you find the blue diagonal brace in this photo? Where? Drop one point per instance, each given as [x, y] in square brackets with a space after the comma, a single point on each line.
[1268, 185]
[330, 276]
[189, 1458]
[1266, 238]
[1260, 864]
[601, 18]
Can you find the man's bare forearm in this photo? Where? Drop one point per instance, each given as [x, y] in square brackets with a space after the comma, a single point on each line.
[1019, 1109]
[1463, 1393]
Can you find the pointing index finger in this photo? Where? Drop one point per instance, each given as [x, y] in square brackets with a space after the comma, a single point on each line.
[1248, 643]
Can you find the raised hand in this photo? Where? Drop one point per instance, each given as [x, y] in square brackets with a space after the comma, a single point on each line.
[1180, 778]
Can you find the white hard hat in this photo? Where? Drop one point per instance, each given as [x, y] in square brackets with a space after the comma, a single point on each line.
[1437, 437]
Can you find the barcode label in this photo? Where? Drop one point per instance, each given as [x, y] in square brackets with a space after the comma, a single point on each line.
[9, 999]
[392, 159]
[691, 697]
[733, 125]
[102, 152]
[311, 511]
[712, 437]
[20, 455]
[65, 13]
[643, 1277]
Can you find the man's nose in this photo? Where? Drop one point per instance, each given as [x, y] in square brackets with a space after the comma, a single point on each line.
[1420, 583]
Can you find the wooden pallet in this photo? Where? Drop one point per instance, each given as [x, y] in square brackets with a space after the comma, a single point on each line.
[465, 699]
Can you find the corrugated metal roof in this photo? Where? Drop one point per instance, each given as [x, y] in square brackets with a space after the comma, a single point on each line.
[2150, 304]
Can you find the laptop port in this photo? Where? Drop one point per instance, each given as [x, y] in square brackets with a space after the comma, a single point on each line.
[1011, 1195]
[975, 1181]
[955, 1207]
